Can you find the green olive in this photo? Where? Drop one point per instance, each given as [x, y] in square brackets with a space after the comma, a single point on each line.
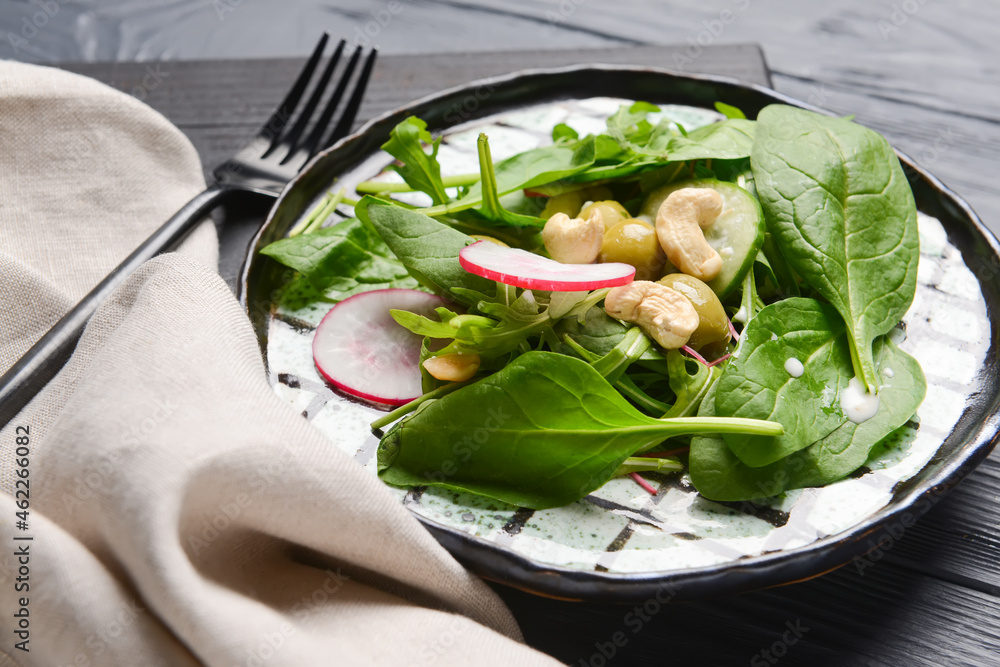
[568, 203]
[611, 212]
[634, 242]
[713, 329]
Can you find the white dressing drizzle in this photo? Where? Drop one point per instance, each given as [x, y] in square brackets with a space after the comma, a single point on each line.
[857, 404]
[794, 367]
[889, 373]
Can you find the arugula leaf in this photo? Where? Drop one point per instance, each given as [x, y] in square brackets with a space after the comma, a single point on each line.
[492, 209]
[427, 248]
[542, 432]
[528, 169]
[420, 170]
[718, 474]
[756, 383]
[628, 126]
[838, 204]
[342, 260]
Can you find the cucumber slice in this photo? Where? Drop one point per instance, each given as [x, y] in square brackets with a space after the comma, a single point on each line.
[737, 235]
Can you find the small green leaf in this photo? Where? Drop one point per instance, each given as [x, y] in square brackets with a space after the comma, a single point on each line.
[420, 170]
[729, 111]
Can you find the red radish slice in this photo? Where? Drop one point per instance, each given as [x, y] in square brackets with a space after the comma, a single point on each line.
[362, 351]
[521, 268]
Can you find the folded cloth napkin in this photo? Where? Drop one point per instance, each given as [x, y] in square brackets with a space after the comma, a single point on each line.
[180, 513]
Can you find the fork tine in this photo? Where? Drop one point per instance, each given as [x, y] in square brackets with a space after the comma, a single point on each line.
[351, 110]
[291, 138]
[311, 145]
[272, 128]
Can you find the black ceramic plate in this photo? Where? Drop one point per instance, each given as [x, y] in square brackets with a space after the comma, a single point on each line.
[620, 544]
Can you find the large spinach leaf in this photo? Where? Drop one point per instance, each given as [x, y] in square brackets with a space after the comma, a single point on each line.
[427, 248]
[838, 204]
[718, 473]
[342, 260]
[757, 384]
[542, 432]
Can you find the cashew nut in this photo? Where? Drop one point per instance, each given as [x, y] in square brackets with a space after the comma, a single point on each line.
[679, 224]
[665, 314]
[452, 367]
[573, 240]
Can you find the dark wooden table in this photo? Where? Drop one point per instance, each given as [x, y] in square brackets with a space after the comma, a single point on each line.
[927, 596]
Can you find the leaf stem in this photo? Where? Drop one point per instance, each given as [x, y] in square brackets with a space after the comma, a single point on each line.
[691, 425]
[649, 488]
[380, 187]
[318, 215]
[404, 410]
[635, 464]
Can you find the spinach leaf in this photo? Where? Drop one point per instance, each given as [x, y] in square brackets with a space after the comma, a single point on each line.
[420, 170]
[718, 474]
[542, 432]
[730, 139]
[342, 260]
[427, 248]
[564, 131]
[757, 384]
[838, 204]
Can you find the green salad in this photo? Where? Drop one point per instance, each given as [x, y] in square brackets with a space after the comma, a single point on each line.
[644, 301]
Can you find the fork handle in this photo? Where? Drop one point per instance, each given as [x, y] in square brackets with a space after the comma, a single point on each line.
[40, 363]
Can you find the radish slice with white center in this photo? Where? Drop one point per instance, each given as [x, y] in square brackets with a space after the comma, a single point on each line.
[362, 351]
[512, 266]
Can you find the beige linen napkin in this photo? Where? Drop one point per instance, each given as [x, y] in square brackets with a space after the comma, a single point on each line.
[180, 513]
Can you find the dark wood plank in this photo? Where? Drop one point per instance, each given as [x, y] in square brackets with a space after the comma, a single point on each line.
[885, 616]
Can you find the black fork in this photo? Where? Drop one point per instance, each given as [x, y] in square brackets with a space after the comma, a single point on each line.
[272, 158]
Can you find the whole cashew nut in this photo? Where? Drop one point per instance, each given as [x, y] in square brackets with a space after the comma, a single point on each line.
[665, 314]
[679, 224]
[573, 240]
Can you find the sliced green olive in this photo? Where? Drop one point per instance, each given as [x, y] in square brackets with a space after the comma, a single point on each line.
[713, 329]
[634, 242]
[611, 212]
